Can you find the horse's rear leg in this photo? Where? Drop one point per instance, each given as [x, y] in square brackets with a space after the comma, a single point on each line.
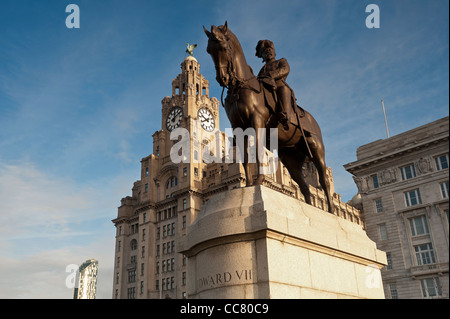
[293, 160]
[318, 159]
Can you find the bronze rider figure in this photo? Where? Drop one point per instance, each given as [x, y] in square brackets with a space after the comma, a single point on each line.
[273, 74]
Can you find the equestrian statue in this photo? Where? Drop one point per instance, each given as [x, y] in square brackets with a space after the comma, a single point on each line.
[266, 101]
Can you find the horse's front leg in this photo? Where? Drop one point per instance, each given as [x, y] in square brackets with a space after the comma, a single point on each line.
[260, 143]
[246, 163]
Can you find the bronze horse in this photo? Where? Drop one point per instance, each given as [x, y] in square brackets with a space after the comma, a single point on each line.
[246, 107]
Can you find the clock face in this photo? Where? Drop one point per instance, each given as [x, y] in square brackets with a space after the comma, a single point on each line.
[174, 118]
[206, 119]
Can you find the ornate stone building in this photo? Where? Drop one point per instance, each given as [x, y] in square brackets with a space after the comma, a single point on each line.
[166, 200]
[403, 182]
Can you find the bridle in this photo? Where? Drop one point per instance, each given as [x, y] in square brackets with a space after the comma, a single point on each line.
[235, 82]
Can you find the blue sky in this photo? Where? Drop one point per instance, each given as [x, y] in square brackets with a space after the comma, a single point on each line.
[78, 107]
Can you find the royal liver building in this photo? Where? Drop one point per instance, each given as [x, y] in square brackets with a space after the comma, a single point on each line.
[152, 222]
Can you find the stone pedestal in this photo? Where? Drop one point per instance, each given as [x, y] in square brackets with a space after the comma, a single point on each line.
[257, 243]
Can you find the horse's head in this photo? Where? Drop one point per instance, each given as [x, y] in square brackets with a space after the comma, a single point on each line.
[221, 52]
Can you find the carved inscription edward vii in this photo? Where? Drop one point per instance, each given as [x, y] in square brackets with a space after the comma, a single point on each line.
[224, 279]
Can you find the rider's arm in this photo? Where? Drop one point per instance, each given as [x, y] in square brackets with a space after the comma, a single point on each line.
[282, 71]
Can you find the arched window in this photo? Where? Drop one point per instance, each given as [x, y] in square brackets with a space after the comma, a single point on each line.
[134, 244]
[172, 182]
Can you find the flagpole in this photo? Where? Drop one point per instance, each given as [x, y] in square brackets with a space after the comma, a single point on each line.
[385, 120]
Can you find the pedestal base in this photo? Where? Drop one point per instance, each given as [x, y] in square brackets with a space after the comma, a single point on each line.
[257, 243]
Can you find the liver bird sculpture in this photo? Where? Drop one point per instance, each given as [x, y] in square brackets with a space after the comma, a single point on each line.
[190, 49]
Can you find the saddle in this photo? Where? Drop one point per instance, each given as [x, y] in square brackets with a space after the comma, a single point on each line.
[296, 118]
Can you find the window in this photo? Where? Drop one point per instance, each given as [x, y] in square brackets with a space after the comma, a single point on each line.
[431, 287]
[146, 171]
[389, 261]
[424, 254]
[173, 228]
[146, 188]
[184, 171]
[131, 293]
[133, 244]
[143, 235]
[419, 226]
[375, 181]
[393, 291]
[184, 279]
[413, 198]
[142, 287]
[184, 221]
[132, 276]
[383, 232]
[172, 182]
[444, 189]
[408, 172]
[184, 203]
[441, 162]
[378, 205]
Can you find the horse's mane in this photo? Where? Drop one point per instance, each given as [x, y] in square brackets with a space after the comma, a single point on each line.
[235, 44]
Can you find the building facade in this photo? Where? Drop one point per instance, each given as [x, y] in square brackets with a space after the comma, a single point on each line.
[166, 200]
[403, 183]
[86, 287]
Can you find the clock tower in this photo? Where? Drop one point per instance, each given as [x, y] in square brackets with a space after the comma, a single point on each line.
[190, 100]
